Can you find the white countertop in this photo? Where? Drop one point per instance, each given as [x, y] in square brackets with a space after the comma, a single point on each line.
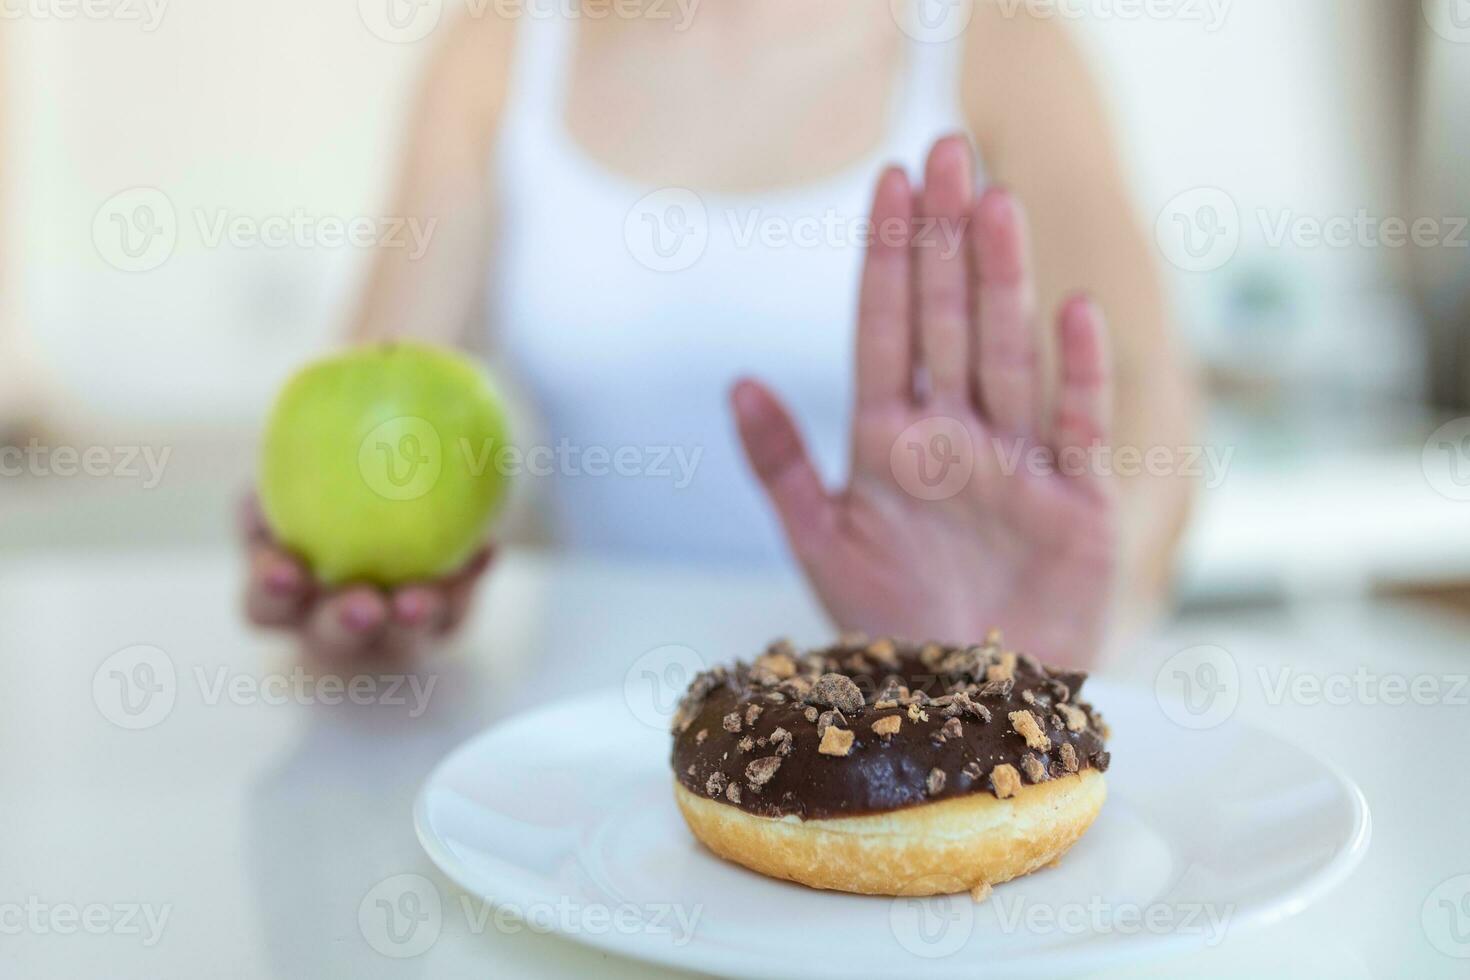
[250, 821]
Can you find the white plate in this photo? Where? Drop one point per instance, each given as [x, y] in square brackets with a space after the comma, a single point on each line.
[565, 817]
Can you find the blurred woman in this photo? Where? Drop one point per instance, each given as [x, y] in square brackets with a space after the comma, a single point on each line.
[619, 194]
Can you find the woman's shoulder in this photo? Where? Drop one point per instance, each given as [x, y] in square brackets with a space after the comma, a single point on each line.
[1019, 30]
[469, 67]
[1023, 68]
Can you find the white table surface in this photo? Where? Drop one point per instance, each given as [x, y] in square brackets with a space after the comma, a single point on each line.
[259, 828]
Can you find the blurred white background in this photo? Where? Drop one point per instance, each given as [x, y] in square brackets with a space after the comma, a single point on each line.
[1319, 356]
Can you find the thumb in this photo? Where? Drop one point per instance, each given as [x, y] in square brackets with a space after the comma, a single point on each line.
[780, 462]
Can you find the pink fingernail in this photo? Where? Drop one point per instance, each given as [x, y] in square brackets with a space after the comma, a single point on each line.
[745, 397]
[411, 608]
[359, 617]
[281, 580]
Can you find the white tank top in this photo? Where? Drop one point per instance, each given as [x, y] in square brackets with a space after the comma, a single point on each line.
[625, 312]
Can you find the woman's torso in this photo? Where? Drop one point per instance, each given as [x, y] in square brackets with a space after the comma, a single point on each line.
[626, 310]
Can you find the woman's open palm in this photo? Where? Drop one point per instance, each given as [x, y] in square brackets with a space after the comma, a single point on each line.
[975, 498]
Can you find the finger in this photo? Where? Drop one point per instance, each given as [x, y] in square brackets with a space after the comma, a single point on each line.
[944, 306]
[459, 600]
[1084, 397]
[415, 614]
[459, 592]
[884, 338]
[476, 566]
[780, 461]
[252, 520]
[347, 624]
[277, 587]
[418, 608]
[1005, 343]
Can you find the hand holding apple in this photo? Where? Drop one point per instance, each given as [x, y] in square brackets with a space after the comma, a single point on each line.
[354, 621]
[376, 493]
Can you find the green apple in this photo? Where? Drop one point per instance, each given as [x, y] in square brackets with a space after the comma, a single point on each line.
[379, 463]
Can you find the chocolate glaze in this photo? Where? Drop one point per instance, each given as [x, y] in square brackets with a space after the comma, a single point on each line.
[926, 687]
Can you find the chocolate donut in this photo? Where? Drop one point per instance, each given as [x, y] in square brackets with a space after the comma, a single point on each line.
[887, 767]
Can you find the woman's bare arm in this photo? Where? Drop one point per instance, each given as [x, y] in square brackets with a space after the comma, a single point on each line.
[444, 179]
[431, 296]
[1043, 130]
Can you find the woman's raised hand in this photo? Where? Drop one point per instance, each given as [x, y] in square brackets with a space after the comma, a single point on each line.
[975, 499]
